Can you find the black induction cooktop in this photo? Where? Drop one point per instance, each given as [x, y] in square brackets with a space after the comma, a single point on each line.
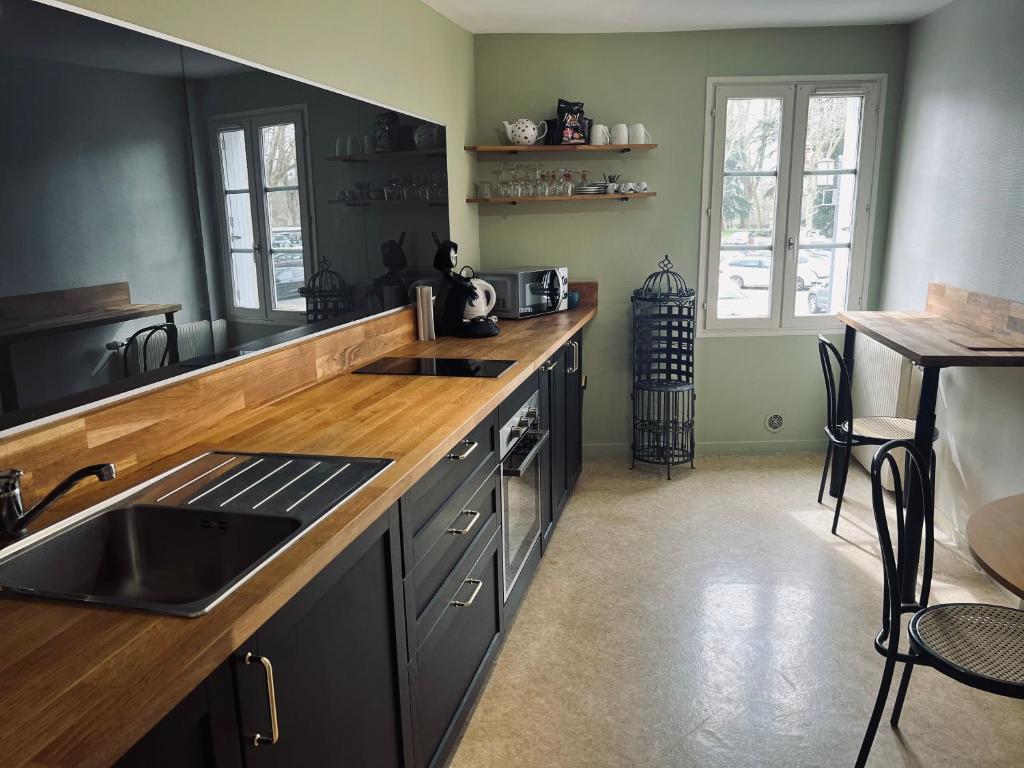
[460, 367]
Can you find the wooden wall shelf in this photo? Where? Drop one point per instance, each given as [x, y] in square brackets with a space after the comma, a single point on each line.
[516, 149]
[624, 197]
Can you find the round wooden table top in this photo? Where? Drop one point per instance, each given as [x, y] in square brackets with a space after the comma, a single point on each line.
[995, 535]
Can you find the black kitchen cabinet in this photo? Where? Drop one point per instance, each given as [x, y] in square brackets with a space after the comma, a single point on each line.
[321, 683]
[558, 382]
[377, 661]
[562, 410]
[450, 665]
[575, 383]
[332, 659]
[201, 732]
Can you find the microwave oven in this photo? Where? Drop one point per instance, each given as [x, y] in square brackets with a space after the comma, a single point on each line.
[527, 291]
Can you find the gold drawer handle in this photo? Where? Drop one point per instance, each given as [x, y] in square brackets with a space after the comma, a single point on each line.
[472, 597]
[268, 669]
[465, 454]
[463, 531]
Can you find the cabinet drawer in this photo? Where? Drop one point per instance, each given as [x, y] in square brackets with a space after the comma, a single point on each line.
[450, 658]
[475, 450]
[449, 535]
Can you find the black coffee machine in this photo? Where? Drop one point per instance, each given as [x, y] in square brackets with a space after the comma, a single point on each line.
[454, 294]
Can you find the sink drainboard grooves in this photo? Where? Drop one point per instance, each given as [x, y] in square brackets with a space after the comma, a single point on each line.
[299, 476]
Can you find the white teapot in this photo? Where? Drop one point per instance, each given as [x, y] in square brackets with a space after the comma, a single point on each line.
[525, 132]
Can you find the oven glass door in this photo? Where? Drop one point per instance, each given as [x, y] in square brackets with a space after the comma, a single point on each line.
[521, 503]
[542, 292]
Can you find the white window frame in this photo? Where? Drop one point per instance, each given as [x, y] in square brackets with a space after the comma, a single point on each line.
[250, 122]
[794, 91]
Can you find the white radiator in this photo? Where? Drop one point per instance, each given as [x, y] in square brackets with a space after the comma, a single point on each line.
[884, 384]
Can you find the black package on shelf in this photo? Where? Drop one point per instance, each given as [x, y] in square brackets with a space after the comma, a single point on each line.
[571, 122]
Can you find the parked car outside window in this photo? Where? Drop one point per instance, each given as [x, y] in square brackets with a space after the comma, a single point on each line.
[819, 299]
[752, 269]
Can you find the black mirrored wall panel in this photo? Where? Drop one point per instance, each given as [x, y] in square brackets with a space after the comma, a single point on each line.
[164, 209]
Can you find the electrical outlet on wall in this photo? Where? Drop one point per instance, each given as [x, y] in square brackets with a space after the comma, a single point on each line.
[773, 422]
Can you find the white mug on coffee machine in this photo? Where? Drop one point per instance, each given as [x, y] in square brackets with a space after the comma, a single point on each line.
[620, 134]
[639, 135]
[600, 135]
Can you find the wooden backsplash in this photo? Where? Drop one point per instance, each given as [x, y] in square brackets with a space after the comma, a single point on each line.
[980, 311]
[150, 425]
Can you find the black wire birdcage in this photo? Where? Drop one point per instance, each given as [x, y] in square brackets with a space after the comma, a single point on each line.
[663, 388]
[327, 295]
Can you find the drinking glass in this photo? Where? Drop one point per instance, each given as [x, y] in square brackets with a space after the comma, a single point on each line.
[543, 188]
[526, 188]
[393, 190]
[566, 186]
[504, 180]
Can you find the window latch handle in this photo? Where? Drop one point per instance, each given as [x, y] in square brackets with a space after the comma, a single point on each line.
[791, 243]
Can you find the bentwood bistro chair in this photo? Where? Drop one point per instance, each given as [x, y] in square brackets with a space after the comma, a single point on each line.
[164, 340]
[844, 431]
[979, 645]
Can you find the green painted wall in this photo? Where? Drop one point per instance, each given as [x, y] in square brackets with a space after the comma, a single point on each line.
[396, 52]
[660, 79]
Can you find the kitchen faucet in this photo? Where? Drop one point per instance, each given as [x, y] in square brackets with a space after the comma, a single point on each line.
[13, 517]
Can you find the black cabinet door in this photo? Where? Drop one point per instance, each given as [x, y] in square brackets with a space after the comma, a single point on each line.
[559, 485]
[574, 411]
[201, 732]
[448, 670]
[547, 511]
[333, 652]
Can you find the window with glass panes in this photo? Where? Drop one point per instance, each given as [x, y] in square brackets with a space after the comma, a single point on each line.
[266, 227]
[789, 181]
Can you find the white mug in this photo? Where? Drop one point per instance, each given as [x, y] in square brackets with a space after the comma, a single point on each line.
[627, 186]
[639, 135]
[353, 145]
[620, 134]
[600, 135]
[367, 145]
[641, 186]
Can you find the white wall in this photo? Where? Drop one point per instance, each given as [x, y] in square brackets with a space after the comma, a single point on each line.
[958, 217]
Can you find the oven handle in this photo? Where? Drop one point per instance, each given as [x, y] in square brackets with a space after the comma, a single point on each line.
[524, 465]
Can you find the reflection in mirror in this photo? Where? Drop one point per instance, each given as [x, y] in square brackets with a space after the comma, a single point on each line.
[166, 209]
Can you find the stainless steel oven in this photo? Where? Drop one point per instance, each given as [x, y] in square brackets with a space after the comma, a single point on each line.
[527, 291]
[521, 439]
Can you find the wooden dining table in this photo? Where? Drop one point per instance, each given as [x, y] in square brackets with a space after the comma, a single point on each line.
[995, 536]
[957, 329]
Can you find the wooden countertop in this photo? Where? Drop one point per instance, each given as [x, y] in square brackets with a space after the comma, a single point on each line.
[933, 340]
[82, 684]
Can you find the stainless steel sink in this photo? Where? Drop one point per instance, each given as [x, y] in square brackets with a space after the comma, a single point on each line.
[156, 558]
[182, 542]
